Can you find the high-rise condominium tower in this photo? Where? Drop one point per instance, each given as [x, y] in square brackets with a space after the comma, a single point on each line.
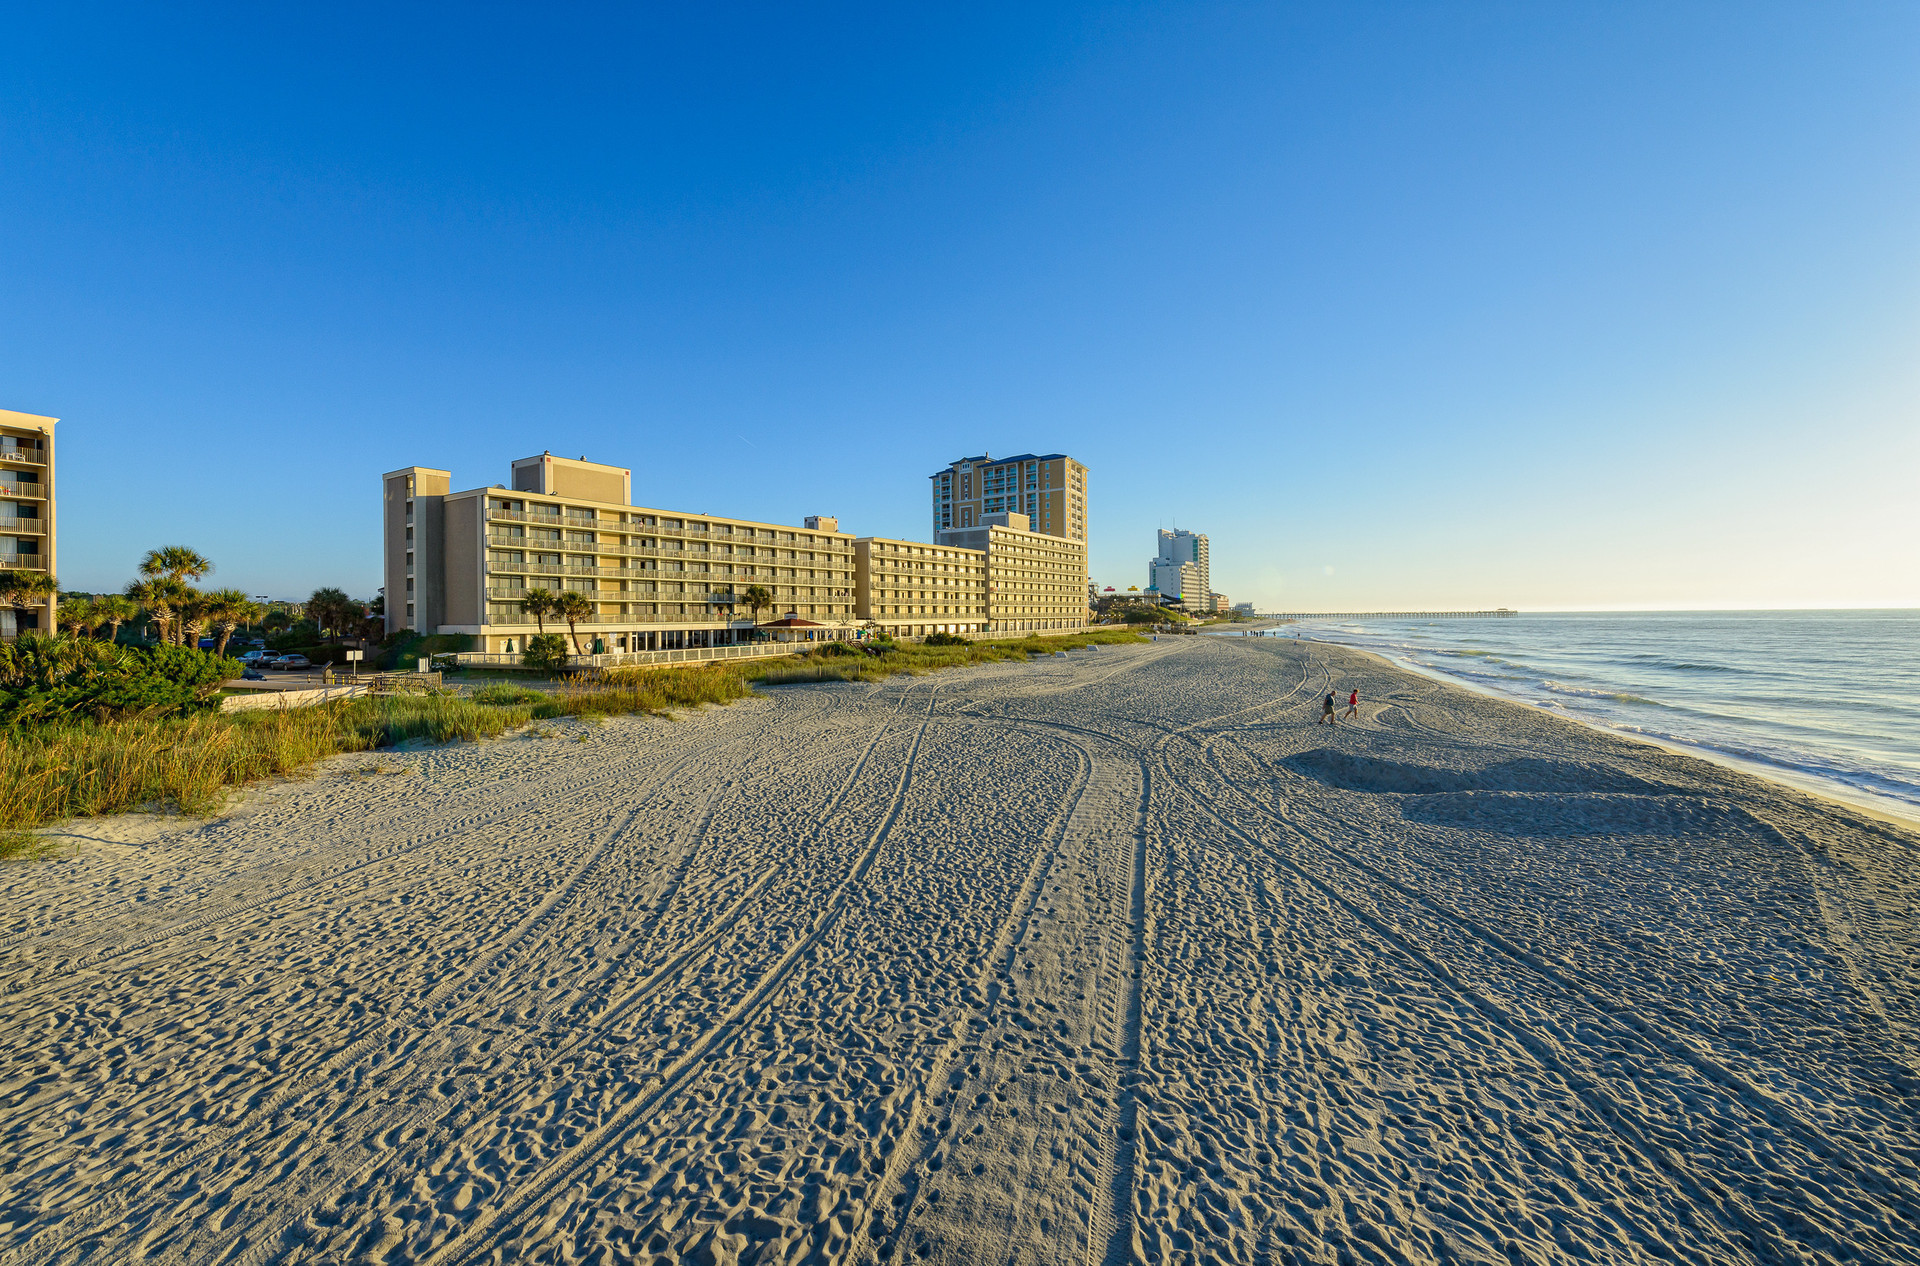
[1050, 490]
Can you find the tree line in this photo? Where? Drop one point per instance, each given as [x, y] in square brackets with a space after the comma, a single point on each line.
[164, 594]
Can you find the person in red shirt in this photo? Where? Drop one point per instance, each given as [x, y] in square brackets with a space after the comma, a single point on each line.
[1353, 705]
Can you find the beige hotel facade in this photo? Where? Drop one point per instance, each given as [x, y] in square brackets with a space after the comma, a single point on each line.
[27, 538]
[462, 562]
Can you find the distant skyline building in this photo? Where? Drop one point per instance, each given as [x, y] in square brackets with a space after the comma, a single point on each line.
[1182, 570]
[1050, 489]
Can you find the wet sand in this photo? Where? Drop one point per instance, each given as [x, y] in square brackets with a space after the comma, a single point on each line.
[1112, 957]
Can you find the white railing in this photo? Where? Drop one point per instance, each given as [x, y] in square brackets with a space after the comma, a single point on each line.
[638, 659]
[834, 545]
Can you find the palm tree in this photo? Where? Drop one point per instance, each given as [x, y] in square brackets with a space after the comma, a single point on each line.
[175, 562]
[758, 598]
[540, 603]
[575, 606]
[77, 615]
[113, 610]
[160, 596]
[25, 590]
[227, 610]
[173, 565]
[194, 611]
[330, 609]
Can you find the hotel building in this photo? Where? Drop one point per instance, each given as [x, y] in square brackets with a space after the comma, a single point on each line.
[1181, 572]
[1050, 490]
[461, 562]
[1036, 581]
[27, 541]
[910, 589]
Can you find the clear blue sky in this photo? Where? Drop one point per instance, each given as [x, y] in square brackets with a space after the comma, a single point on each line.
[1449, 305]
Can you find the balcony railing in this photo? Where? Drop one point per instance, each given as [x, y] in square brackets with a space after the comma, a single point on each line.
[719, 596]
[23, 527]
[35, 490]
[32, 456]
[558, 624]
[831, 545]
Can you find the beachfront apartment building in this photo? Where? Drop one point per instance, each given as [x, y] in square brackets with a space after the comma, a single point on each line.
[1049, 489]
[462, 562]
[1177, 548]
[1036, 581]
[28, 542]
[1173, 582]
[911, 589]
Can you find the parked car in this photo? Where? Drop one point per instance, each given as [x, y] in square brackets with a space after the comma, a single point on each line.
[287, 662]
[256, 657]
[253, 674]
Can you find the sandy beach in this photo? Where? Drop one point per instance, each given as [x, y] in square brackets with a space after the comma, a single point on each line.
[1112, 957]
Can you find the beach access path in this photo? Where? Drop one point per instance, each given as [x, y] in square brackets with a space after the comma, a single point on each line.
[1112, 957]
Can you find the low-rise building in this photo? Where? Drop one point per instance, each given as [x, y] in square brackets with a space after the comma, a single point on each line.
[462, 562]
[911, 589]
[1035, 581]
[27, 539]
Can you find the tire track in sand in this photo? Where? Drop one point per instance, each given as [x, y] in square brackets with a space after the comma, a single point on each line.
[423, 1018]
[1767, 1108]
[474, 1239]
[406, 1124]
[1702, 1193]
[604, 772]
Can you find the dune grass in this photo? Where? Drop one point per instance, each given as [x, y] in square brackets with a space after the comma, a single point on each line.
[51, 773]
[837, 661]
[74, 769]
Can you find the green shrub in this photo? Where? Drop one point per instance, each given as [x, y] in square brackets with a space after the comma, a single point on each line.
[405, 648]
[546, 652]
[946, 639]
[45, 679]
[506, 694]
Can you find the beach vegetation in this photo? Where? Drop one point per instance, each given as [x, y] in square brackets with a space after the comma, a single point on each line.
[539, 603]
[573, 606]
[881, 660]
[546, 652]
[110, 753]
[45, 679]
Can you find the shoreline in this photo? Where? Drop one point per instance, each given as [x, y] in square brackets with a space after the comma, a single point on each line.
[1885, 808]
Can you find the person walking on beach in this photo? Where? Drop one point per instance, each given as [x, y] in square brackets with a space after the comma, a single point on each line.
[1326, 711]
[1353, 706]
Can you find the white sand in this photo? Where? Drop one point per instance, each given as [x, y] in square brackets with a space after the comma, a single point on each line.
[1106, 958]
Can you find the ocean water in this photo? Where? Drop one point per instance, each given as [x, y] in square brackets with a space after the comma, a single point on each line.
[1828, 700]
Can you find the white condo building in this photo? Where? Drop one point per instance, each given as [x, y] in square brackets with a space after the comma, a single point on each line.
[1180, 571]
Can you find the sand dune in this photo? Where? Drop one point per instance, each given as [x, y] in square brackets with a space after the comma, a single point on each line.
[1114, 957]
